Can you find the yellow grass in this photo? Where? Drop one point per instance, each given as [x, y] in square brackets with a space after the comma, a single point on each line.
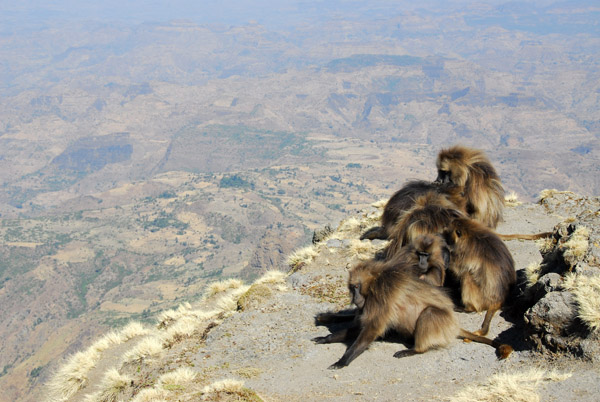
[273, 277]
[350, 225]
[150, 395]
[586, 290]
[532, 272]
[112, 384]
[509, 387]
[380, 203]
[550, 192]
[545, 245]
[222, 286]
[576, 247]
[228, 303]
[362, 249]
[132, 330]
[149, 346]
[182, 328]
[302, 256]
[227, 385]
[178, 378]
[72, 376]
[512, 199]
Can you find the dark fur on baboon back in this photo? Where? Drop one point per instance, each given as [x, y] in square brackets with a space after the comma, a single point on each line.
[430, 214]
[404, 199]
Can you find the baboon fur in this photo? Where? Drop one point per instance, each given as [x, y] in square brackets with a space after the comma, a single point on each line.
[428, 256]
[404, 199]
[391, 297]
[430, 214]
[471, 170]
[483, 264]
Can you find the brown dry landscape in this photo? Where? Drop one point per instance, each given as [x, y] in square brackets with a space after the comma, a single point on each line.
[142, 160]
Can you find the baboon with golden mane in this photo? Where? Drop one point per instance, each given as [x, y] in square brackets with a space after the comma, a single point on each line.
[471, 170]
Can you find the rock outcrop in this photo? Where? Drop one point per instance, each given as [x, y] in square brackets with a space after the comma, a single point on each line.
[563, 293]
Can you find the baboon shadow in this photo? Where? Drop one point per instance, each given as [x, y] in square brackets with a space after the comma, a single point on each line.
[345, 319]
[513, 310]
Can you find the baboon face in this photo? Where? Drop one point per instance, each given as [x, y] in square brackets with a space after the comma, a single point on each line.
[357, 298]
[423, 260]
[424, 248]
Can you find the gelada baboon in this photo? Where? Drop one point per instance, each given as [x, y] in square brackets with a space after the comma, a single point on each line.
[390, 297]
[428, 257]
[430, 214]
[473, 173]
[484, 266]
[404, 199]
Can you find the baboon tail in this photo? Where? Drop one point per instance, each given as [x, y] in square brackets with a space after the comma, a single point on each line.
[536, 236]
[502, 350]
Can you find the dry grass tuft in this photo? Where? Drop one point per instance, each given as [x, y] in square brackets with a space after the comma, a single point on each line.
[222, 286]
[512, 200]
[178, 379]
[108, 340]
[550, 192]
[249, 372]
[532, 272]
[229, 303]
[545, 245]
[112, 384]
[301, 257]
[150, 395]
[348, 226]
[132, 330]
[576, 247]
[226, 385]
[517, 387]
[72, 376]
[150, 346]
[181, 329]
[380, 204]
[272, 277]
[255, 296]
[586, 290]
[229, 390]
[362, 249]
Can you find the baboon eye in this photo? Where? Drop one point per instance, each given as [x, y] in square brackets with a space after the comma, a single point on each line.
[458, 234]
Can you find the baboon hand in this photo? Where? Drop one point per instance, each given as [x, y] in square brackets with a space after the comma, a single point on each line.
[336, 366]
[404, 353]
[320, 339]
